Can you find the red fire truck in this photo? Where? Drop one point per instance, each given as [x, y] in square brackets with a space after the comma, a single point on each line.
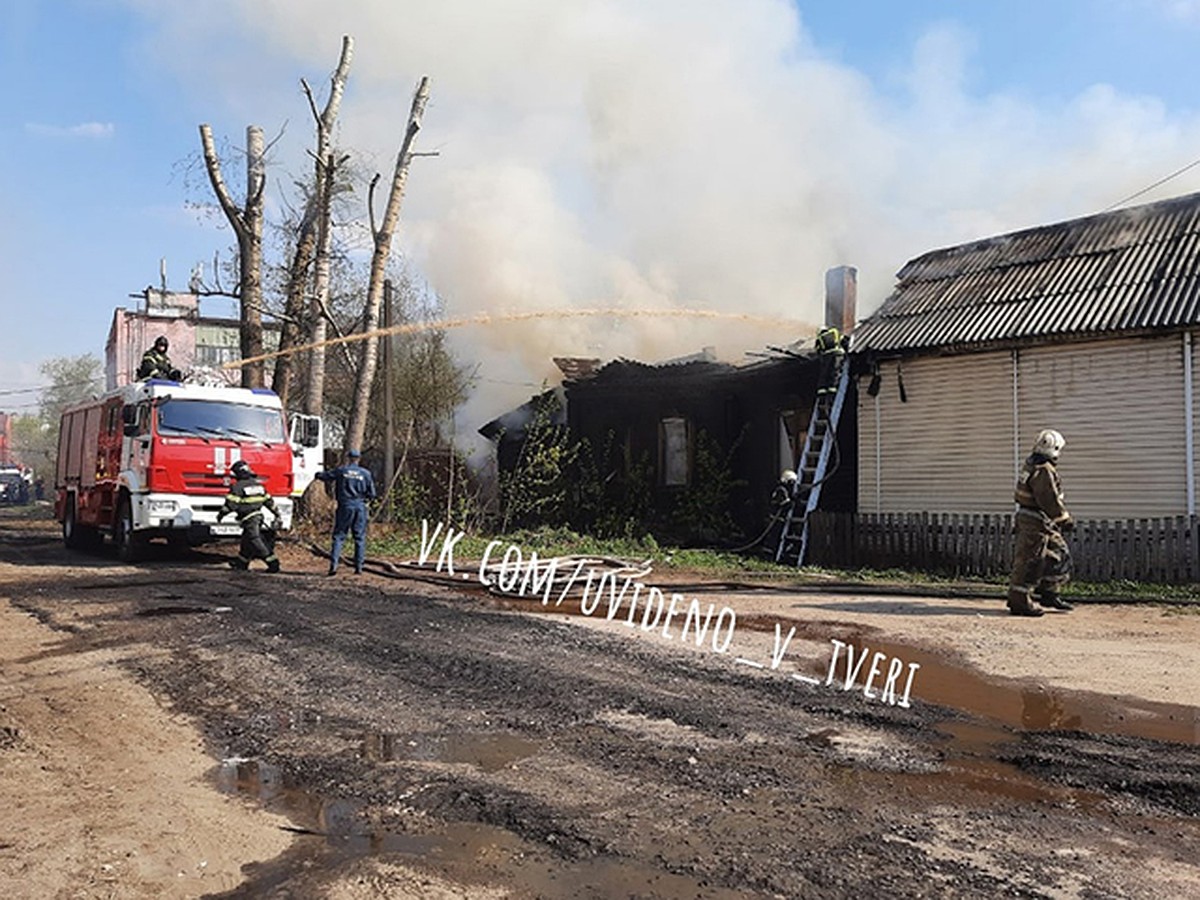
[152, 459]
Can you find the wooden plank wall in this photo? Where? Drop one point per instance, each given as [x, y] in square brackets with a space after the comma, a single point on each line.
[1160, 551]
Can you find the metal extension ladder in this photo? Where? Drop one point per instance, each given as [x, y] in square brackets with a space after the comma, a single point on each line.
[811, 472]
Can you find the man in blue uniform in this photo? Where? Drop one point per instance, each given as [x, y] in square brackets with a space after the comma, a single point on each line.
[353, 487]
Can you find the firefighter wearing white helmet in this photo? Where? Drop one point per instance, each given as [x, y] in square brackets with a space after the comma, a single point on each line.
[785, 490]
[1049, 443]
[1041, 558]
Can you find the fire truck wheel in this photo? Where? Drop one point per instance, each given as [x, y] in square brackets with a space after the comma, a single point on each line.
[70, 526]
[129, 543]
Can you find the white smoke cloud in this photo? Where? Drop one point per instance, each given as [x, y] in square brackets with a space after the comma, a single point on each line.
[597, 153]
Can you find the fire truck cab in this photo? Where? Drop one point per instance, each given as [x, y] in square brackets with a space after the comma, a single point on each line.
[152, 460]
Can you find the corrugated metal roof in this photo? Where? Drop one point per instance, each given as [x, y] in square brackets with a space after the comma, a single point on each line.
[1129, 271]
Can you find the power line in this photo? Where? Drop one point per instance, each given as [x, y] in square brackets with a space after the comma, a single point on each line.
[1161, 181]
[20, 406]
[47, 387]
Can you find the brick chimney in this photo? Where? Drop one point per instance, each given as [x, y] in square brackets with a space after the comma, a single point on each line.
[841, 296]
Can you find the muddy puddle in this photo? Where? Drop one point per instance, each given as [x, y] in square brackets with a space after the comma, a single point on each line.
[1019, 706]
[994, 712]
[998, 711]
[487, 752]
[332, 833]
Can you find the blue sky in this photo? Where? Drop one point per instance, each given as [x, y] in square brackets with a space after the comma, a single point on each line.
[642, 153]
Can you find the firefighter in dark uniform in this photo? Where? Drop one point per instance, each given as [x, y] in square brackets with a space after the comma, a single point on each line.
[831, 350]
[1041, 558]
[156, 363]
[353, 487]
[247, 499]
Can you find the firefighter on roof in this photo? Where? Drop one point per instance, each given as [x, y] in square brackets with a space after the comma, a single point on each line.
[246, 499]
[156, 363]
[831, 350]
[1041, 558]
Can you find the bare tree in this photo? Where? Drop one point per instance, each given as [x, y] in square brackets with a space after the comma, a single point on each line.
[316, 210]
[379, 258]
[247, 223]
[314, 397]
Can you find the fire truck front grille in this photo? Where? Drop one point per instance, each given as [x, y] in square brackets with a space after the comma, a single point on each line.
[207, 481]
[204, 481]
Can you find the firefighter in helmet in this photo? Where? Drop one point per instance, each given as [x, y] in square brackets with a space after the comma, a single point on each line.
[156, 363]
[1041, 558]
[247, 498]
[831, 351]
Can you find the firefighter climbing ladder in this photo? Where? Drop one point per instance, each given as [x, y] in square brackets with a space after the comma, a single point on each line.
[812, 470]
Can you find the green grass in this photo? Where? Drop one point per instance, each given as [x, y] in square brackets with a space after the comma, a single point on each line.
[404, 542]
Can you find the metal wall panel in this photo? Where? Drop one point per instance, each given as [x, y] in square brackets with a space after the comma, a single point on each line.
[1120, 406]
[1130, 270]
[951, 447]
[948, 449]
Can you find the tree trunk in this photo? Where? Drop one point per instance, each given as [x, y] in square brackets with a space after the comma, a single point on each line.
[247, 225]
[250, 245]
[314, 397]
[294, 308]
[302, 268]
[379, 259]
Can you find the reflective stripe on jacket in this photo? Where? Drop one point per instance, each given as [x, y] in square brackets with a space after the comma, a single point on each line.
[1039, 490]
[247, 499]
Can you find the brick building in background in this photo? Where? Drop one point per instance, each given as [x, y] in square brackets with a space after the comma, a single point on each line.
[196, 340]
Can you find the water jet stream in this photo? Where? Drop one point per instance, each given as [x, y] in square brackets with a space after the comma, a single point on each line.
[503, 318]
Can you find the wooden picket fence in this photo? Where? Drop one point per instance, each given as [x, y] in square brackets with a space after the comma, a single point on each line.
[1161, 551]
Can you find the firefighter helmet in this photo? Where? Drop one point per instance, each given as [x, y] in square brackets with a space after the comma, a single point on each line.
[241, 469]
[1049, 443]
[161, 344]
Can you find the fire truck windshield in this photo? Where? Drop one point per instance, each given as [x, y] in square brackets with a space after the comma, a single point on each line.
[234, 421]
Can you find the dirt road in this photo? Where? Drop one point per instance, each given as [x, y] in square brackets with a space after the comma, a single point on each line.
[178, 729]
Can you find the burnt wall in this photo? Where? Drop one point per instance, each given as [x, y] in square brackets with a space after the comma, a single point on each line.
[738, 408]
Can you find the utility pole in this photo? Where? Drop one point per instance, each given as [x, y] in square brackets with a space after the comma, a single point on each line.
[389, 408]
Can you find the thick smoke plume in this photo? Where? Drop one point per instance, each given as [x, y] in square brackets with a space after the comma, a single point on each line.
[661, 153]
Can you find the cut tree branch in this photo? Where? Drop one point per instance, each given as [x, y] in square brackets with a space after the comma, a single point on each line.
[212, 164]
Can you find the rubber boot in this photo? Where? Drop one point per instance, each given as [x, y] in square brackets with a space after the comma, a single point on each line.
[1019, 604]
[1051, 600]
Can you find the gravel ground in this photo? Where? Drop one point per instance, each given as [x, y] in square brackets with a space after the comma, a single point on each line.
[430, 740]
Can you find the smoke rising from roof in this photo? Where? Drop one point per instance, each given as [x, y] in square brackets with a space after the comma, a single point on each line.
[651, 153]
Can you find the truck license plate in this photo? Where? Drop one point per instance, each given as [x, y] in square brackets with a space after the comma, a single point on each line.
[225, 530]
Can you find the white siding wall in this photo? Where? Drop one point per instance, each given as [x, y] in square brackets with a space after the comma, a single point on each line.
[948, 449]
[1195, 413]
[951, 447]
[1119, 404]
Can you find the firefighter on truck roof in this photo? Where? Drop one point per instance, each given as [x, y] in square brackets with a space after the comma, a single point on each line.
[246, 499]
[156, 363]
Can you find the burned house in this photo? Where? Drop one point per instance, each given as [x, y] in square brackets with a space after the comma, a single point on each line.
[510, 431]
[748, 421]
[683, 424]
